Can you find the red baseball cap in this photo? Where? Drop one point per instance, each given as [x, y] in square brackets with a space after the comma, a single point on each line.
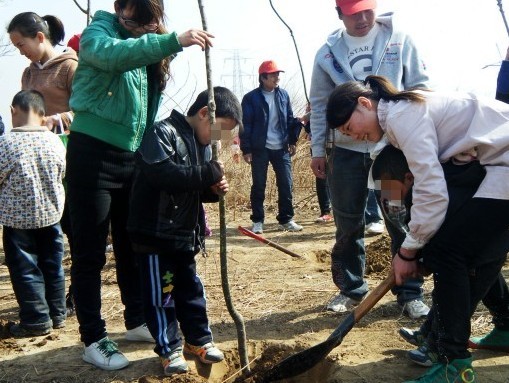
[269, 67]
[74, 42]
[349, 7]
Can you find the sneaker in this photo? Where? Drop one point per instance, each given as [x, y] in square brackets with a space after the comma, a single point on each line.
[20, 331]
[423, 356]
[69, 305]
[105, 355]
[495, 340]
[341, 303]
[415, 309]
[290, 226]
[208, 353]
[374, 228]
[324, 218]
[58, 324]
[139, 334]
[174, 362]
[457, 371]
[257, 228]
[414, 337]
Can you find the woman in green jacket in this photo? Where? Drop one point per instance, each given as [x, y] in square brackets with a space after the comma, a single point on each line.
[122, 70]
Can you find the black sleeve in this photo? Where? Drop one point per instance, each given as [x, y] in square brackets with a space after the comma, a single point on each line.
[156, 159]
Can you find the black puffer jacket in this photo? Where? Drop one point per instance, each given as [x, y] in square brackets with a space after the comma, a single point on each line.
[172, 179]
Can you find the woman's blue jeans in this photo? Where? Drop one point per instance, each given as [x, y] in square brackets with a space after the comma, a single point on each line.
[34, 259]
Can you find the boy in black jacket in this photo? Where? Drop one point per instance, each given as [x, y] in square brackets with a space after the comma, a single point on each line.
[174, 176]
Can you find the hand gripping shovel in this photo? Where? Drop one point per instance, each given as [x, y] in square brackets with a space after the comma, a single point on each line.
[304, 360]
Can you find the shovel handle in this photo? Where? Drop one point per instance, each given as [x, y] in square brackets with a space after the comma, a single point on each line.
[249, 233]
[374, 296]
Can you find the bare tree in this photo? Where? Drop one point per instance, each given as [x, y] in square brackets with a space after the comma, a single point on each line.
[86, 10]
[6, 47]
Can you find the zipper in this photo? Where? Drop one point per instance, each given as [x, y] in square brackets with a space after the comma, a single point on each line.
[141, 99]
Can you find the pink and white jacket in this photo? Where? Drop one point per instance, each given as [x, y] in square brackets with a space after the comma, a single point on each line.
[436, 131]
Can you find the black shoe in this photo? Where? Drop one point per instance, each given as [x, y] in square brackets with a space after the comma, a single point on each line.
[69, 304]
[19, 331]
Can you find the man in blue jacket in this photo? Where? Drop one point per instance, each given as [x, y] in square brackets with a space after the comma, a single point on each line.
[270, 135]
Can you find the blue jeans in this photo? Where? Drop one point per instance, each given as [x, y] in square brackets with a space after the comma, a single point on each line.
[322, 192]
[347, 176]
[372, 212]
[34, 259]
[282, 165]
[412, 288]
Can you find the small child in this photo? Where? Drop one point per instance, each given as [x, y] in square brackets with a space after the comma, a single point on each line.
[396, 182]
[167, 225]
[32, 166]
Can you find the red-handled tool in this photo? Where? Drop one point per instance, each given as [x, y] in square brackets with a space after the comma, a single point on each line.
[249, 233]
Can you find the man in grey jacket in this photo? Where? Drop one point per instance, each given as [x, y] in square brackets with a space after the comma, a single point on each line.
[366, 45]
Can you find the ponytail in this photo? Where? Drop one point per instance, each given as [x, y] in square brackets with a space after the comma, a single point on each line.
[344, 99]
[28, 24]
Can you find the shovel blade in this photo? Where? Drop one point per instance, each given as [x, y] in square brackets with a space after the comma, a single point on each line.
[302, 361]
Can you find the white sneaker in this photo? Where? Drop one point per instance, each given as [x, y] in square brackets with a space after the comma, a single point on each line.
[341, 303]
[139, 334]
[174, 362]
[374, 228]
[290, 226]
[105, 355]
[415, 309]
[257, 228]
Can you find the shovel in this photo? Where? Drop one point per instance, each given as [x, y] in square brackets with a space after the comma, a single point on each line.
[249, 233]
[302, 361]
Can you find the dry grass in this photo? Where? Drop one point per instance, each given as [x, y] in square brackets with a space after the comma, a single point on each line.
[239, 177]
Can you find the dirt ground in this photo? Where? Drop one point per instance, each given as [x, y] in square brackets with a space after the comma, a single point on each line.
[282, 300]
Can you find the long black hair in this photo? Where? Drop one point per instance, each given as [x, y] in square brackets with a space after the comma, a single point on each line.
[344, 99]
[145, 12]
[28, 24]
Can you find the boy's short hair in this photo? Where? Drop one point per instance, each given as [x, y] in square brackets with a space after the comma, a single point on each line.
[390, 164]
[30, 100]
[227, 104]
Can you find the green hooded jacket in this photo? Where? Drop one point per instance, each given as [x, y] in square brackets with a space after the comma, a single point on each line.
[110, 92]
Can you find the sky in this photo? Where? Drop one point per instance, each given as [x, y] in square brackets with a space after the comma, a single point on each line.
[462, 41]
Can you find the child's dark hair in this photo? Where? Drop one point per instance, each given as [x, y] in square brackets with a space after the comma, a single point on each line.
[227, 104]
[30, 100]
[390, 164]
[28, 24]
[344, 99]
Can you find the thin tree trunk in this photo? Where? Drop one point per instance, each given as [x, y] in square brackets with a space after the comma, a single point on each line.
[237, 318]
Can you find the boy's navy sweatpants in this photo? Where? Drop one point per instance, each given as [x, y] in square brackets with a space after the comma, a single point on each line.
[174, 295]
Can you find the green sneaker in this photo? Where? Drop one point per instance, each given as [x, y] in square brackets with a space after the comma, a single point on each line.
[495, 340]
[457, 371]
